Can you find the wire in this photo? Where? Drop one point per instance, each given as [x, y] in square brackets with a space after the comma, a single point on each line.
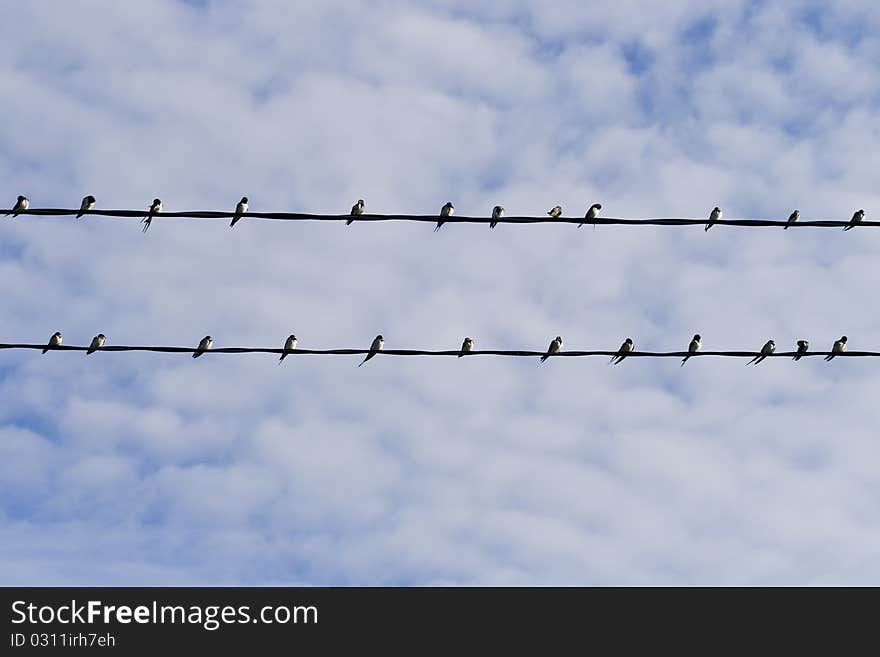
[422, 352]
[433, 218]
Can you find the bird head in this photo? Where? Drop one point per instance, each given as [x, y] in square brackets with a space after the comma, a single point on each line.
[244, 199]
[843, 339]
[90, 198]
[716, 209]
[379, 337]
[56, 334]
[291, 337]
[697, 337]
[628, 341]
[21, 198]
[101, 336]
[598, 206]
[156, 201]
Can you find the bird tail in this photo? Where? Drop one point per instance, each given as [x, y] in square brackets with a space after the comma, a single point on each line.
[785, 227]
[283, 356]
[438, 226]
[848, 227]
[684, 360]
[797, 357]
[366, 359]
[349, 222]
[79, 216]
[754, 360]
[544, 357]
[47, 349]
[234, 221]
[197, 354]
[493, 224]
[828, 357]
[708, 226]
[146, 221]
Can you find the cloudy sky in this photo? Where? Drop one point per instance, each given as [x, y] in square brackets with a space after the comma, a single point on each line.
[159, 469]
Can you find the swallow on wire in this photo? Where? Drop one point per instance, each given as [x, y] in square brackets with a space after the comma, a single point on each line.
[714, 216]
[87, 204]
[856, 219]
[802, 347]
[356, 210]
[466, 347]
[446, 211]
[375, 348]
[591, 215]
[768, 348]
[627, 346]
[240, 208]
[554, 348]
[497, 213]
[54, 341]
[204, 345]
[97, 343]
[794, 216]
[289, 345]
[693, 348]
[838, 348]
[155, 209]
[555, 211]
[21, 205]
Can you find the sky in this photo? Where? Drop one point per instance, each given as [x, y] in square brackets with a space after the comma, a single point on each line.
[157, 469]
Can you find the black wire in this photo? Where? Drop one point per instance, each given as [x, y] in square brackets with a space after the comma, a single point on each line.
[422, 352]
[302, 216]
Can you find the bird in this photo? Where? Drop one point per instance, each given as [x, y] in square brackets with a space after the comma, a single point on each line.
[627, 346]
[240, 209]
[97, 343]
[204, 346]
[714, 216]
[375, 348]
[446, 211]
[838, 348]
[21, 205]
[356, 210]
[794, 216]
[592, 213]
[497, 213]
[554, 348]
[555, 211]
[768, 348]
[54, 341]
[857, 217]
[155, 208]
[802, 347]
[289, 345]
[695, 346]
[87, 204]
[466, 346]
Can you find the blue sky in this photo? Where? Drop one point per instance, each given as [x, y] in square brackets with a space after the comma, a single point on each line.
[156, 469]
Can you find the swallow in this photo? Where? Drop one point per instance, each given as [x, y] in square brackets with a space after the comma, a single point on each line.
[289, 345]
[794, 216]
[856, 219]
[802, 347]
[87, 204]
[695, 346]
[356, 210]
[376, 347]
[497, 213]
[204, 345]
[627, 346]
[240, 209]
[97, 343]
[466, 346]
[838, 348]
[555, 211]
[592, 213]
[554, 348]
[54, 341]
[155, 208]
[21, 205]
[446, 211]
[768, 348]
[714, 216]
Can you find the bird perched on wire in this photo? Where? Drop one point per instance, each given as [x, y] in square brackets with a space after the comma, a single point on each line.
[446, 211]
[802, 347]
[204, 345]
[497, 213]
[466, 347]
[240, 208]
[592, 213]
[375, 348]
[555, 211]
[289, 345]
[54, 341]
[21, 205]
[627, 346]
[554, 348]
[768, 348]
[693, 348]
[714, 216]
[794, 216]
[856, 219]
[155, 209]
[87, 204]
[356, 210]
[97, 343]
[838, 348]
